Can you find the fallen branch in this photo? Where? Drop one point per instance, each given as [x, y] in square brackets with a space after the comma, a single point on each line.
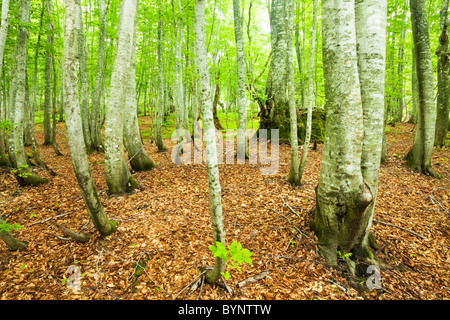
[290, 208]
[50, 218]
[433, 199]
[190, 284]
[76, 236]
[396, 226]
[253, 279]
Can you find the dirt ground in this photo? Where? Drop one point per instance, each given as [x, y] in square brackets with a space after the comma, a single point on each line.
[166, 225]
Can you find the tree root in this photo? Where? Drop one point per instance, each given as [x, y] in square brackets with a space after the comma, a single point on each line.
[76, 236]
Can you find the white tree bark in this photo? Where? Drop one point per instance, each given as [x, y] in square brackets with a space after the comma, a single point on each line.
[419, 156]
[139, 159]
[74, 123]
[343, 196]
[371, 18]
[118, 177]
[3, 30]
[310, 94]
[16, 146]
[161, 100]
[84, 86]
[240, 85]
[98, 90]
[215, 198]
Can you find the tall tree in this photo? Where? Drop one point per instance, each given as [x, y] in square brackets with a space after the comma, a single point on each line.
[74, 123]
[118, 177]
[240, 84]
[16, 146]
[419, 156]
[3, 30]
[443, 69]
[161, 95]
[98, 89]
[310, 94]
[215, 198]
[354, 33]
[48, 79]
[139, 159]
[84, 87]
[4, 160]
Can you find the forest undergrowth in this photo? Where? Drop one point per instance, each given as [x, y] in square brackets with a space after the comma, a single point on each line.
[165, 226]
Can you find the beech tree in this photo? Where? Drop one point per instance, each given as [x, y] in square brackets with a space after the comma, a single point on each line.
[353, 34]
[215, 198]
[275, 111]
[443, 68]
[118, 177]
[74, 123]
[419, 156]
[17, 154]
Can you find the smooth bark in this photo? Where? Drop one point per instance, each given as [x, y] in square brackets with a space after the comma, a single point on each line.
[419, 156]
[74, 123]
[215, 198]
[118, 177]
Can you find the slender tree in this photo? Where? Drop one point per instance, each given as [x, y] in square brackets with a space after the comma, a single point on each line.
[215, 198]
[98, 90]
[443, 69]
[84, 87]
[74, 123]
[240, 84]
[161, 96]
[310, 94]
[419, 156]
[16, 146]
[48, 131]
[139, 159]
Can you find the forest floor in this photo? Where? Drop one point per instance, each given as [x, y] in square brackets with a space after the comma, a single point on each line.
[167, 226]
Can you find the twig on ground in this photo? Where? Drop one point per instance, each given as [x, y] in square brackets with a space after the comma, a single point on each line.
[253, 279]
[295, 227]
[396, 226]
[49, 218]
[433, 199]
[190, 283]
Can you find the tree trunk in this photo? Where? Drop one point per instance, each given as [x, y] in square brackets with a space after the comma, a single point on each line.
[215, 198]
[161, 100]
[84, 90]
[16, 146]
[118, 178]
[310, 94]
[419, 156]
[240, 84]
[3, 30]
[443, 68]
[4, 160]
[139, 159]
[275, 111]
[97, 92]
[48, 80]
[74, 122]
[415, 91]
[371, 19]
[343, 214]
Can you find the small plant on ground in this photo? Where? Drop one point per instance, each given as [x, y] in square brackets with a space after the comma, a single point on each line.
[235, 255]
